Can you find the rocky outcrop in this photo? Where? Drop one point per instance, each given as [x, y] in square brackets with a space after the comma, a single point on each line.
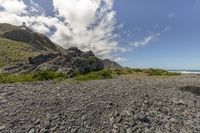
[111, 64]
[70, 62]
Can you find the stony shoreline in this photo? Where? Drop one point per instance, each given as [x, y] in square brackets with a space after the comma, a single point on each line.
[121, 105]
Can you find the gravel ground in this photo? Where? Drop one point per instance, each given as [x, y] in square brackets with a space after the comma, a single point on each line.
[122, 105]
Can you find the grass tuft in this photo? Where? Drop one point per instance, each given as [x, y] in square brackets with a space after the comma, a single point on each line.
[103, 74]
[29, 77]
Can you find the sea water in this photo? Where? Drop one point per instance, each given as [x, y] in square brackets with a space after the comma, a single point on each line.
[186, 71]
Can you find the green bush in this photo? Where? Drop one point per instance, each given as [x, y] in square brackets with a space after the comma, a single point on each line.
[137, 70]
[13, 78]
[103, 74]
[159, 72]
[28, 77]
[48, 75]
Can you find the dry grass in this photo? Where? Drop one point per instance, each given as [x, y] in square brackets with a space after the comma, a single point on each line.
[12, 52]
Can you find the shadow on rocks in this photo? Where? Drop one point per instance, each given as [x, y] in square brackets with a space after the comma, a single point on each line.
[193, 89]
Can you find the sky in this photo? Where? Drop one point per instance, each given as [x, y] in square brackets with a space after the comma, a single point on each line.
[135, 33]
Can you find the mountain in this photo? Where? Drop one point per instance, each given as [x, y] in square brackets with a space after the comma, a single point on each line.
[111, 64]
[19, 42]
[38, 41]
[22, 50]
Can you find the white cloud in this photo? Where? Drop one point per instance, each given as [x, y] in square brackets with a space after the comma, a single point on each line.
[120, 59]
[13, 6]
[87, 24]
[150, 38]
[145, 41]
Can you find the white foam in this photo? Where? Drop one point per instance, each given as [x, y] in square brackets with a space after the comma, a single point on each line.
[186, 72]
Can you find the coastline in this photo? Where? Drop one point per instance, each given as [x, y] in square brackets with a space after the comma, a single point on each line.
[196, 72]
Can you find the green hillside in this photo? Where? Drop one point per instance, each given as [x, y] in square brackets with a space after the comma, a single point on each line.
[12, 52]
[24, 34]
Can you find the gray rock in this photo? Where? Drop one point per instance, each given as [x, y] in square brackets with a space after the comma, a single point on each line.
[74, 130]
[37, 122]
[129, 130]
[84, 117]
[2, 128]
[142, 117]
[32, 130]
[175, 121]
[148, 131]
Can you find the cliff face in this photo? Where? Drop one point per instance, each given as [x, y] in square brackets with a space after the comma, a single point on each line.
[72, 61]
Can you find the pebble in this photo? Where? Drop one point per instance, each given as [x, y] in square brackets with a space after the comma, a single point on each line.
[32, 130]
[2, 128]
[173, 120]
[37, 122]
[148, 131]
[75, 130]
[129, 130]
[84, 113]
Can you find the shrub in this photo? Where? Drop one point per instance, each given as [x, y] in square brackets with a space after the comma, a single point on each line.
[137, 70]
[48, 75]
[28, 77]
[103, 74]
[159, 72]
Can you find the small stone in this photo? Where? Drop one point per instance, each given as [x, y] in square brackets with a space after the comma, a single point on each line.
[2, 128]
[142, 117]
[173, 120]
[148, 131]
[135, 128]
[37, 122]
[112, 120]
[43, 130]
[116, 113]
[114, 131]
[129, 130]
[119, 119]
[53, 128]
[47, 125]
[75, 130]
[126, 113]
[122, 130]
[180, 102]
[32, 130]
[84, 117]
[115, 126]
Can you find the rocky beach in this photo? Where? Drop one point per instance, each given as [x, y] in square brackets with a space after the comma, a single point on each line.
[127, 104]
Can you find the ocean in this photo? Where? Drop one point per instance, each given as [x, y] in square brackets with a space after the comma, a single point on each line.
[186, 71]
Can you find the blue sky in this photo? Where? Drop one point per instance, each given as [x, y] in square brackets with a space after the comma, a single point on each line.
[176, 49]
[155, 33]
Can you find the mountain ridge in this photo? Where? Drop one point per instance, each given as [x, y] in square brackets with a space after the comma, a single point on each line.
[21, 49]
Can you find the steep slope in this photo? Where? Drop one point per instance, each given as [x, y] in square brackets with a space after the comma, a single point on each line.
[37, 41]
[111, 64]
[12, 52]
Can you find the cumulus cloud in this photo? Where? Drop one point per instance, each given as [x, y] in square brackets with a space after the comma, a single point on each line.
[87, 24]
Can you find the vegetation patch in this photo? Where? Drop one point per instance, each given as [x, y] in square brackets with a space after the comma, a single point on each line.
[148, 72]
[159, 72]
[12, 52]
[29, 77]
[103, 74]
